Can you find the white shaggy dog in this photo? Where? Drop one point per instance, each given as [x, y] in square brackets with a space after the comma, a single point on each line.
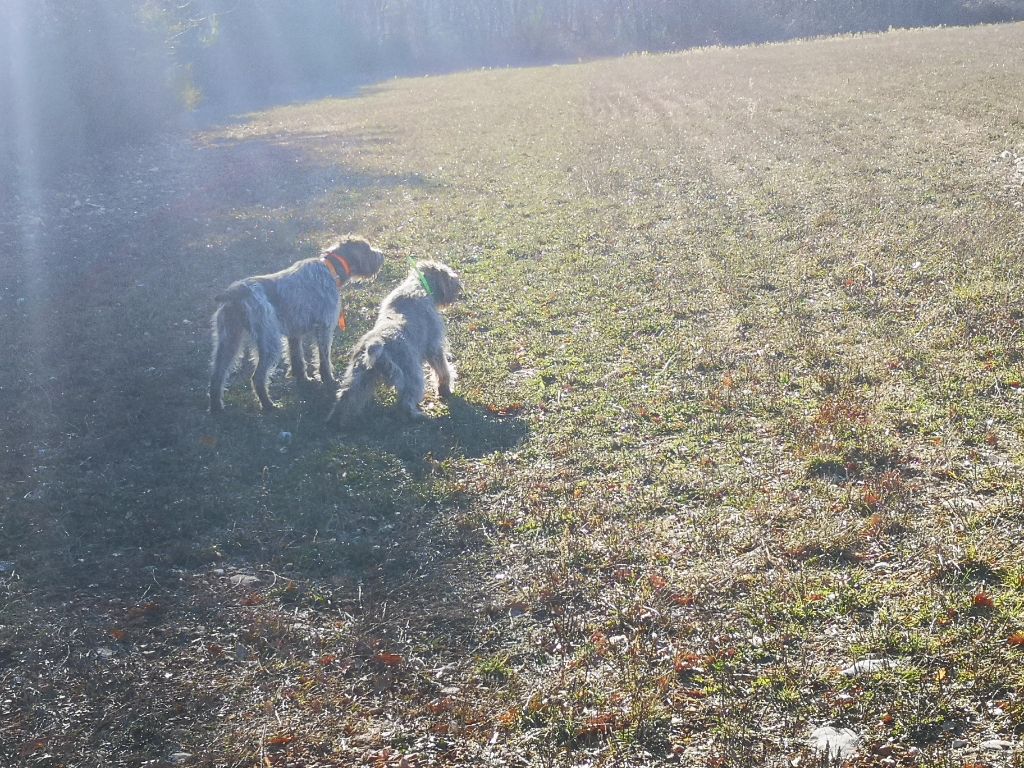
[303, 299]
[408, 333]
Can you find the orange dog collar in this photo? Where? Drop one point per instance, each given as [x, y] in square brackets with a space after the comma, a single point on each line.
[333, 261]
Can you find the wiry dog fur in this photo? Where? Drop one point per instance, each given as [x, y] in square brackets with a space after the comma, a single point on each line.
[408, 333]
[302, 299]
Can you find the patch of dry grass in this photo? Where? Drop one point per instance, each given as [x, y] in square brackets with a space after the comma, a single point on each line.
[741, 404]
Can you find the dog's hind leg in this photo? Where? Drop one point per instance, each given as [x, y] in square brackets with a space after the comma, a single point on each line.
[229, 332]
[324, 340]
[269, 349]
[411, 387]
[296, 360]
[356, 391]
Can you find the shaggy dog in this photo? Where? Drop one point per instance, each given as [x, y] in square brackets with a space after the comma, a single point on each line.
[303, 299]
[409, 332]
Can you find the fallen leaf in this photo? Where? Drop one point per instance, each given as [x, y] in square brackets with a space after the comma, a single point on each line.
[1017, 638]
[598, 725]
[32, 746]
[326, 660]
[505, 410]
[982, 600]
[276, 741]
[438, 706]
[118, 634]
[509, 717]
[685, 660]
[388, 659]
[623, 575]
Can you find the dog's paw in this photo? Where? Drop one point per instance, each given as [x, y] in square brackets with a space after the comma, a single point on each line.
[414, 414]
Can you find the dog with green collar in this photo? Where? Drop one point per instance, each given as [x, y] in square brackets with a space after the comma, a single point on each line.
[409, 332]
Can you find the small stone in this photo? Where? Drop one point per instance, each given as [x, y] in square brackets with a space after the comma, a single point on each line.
[867, 666]
[179, 757]
[104, 652]
[834, 743]
[245, 580]
[996, 744]
[959, 743]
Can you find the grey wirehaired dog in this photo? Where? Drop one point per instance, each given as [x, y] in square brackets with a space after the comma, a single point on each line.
[303, 299]
[408, 333]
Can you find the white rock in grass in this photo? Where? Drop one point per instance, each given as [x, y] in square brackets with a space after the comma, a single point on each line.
[245, 580]
[179, 758]
[996, 744]
[834, 743]
[867, 666]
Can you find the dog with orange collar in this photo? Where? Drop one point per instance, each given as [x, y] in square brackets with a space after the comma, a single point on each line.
[298, 301]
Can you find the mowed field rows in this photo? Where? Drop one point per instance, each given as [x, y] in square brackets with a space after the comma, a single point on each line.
[740, 405]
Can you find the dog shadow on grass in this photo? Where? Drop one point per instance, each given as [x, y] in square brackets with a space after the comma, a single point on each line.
[465, 430]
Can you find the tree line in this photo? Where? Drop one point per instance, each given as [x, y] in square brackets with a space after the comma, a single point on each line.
[77, 76]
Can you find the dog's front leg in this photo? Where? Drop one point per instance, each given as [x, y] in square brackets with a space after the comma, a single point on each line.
[295, 356]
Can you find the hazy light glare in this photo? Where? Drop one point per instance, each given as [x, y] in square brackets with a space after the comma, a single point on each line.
[25, 179]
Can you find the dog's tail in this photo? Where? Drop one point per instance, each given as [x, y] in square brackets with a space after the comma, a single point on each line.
[369, 366]
[254, 303]
[229, 328]
[379, 361]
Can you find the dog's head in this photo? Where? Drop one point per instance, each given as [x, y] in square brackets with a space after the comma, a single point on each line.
[445, 285]
[364, 260]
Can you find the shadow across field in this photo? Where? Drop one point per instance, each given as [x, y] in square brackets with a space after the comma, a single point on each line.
[130, 514]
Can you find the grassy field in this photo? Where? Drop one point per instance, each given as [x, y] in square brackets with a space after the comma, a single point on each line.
[740, 405]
